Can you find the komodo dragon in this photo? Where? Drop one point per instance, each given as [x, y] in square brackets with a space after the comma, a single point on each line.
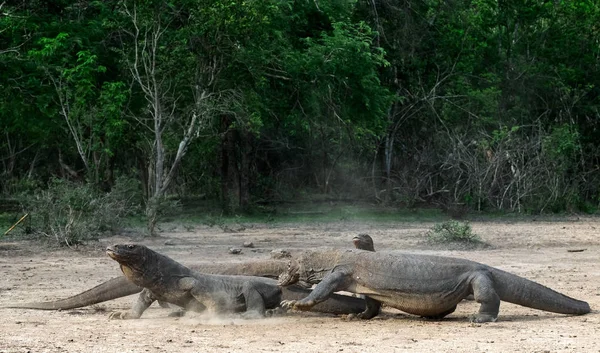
[119, 287]
[169, 281]
[425, 285]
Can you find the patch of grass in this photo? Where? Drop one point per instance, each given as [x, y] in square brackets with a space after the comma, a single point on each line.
[453, 232]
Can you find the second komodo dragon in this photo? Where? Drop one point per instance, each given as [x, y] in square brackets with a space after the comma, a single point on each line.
[424, 285]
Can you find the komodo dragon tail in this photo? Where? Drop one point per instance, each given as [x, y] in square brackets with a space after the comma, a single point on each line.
[114, 288]
[521, 291]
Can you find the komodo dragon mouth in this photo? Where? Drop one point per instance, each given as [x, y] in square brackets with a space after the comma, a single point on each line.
[120, 253]
[111, 253]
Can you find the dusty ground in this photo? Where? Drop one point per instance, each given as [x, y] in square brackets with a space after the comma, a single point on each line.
[536, 250]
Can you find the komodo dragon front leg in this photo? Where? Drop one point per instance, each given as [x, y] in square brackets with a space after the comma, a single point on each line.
[147, 297]
[140, 304]
[339, 279]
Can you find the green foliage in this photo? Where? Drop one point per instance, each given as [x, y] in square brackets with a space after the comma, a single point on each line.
[490, 103]
[452, 232]
[69, 213]
[563, 143]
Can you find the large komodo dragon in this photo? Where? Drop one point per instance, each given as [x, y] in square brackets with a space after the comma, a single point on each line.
[120, 286]
[424, 285]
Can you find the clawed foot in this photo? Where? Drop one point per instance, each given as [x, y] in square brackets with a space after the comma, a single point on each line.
[352, 317]
[121, 315]
[356, 317]
[481, 318]
[296, 305]
[288, 304]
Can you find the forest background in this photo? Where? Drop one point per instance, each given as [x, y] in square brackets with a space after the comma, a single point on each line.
[109, 108]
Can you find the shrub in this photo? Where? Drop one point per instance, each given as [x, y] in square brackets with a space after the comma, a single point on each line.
[452, 232]
[72, 212]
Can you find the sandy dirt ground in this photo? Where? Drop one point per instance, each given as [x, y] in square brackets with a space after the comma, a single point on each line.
[538, 250]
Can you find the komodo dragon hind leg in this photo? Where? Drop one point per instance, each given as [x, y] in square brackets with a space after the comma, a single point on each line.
[259, 297]
[371, 310]
[484, 293]
[255, 303]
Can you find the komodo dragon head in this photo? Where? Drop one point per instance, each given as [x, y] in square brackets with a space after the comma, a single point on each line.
[135, 259]
[364, 242]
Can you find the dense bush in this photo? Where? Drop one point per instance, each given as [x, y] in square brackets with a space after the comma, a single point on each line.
[452, 232]
[70, 212]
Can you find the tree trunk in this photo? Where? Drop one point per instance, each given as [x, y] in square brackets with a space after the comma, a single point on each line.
[230, 182]
[152, 214]
[388, 154]
[246, 161]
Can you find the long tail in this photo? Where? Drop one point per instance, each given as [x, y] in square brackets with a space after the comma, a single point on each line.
[112, 289]
[521, 291]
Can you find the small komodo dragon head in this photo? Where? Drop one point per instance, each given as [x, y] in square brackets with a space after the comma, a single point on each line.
[364, 242]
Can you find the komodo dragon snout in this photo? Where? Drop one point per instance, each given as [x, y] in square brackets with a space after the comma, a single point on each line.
[125, 252]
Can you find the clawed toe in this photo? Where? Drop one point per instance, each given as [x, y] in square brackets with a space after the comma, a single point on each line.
[482, 318]
[288, 304]
[116, 315]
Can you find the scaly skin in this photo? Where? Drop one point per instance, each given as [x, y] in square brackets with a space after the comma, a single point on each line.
[423, 285]
[164, 279]
[120, 286]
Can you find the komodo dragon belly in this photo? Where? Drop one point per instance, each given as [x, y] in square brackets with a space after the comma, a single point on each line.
[422, 304]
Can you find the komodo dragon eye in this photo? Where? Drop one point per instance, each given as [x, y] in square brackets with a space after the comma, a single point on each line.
[130, 246]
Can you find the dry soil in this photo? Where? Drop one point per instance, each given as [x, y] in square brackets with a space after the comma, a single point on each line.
[538, 250]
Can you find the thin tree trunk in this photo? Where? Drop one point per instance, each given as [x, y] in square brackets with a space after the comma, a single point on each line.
[230, 182]
[245, 172]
